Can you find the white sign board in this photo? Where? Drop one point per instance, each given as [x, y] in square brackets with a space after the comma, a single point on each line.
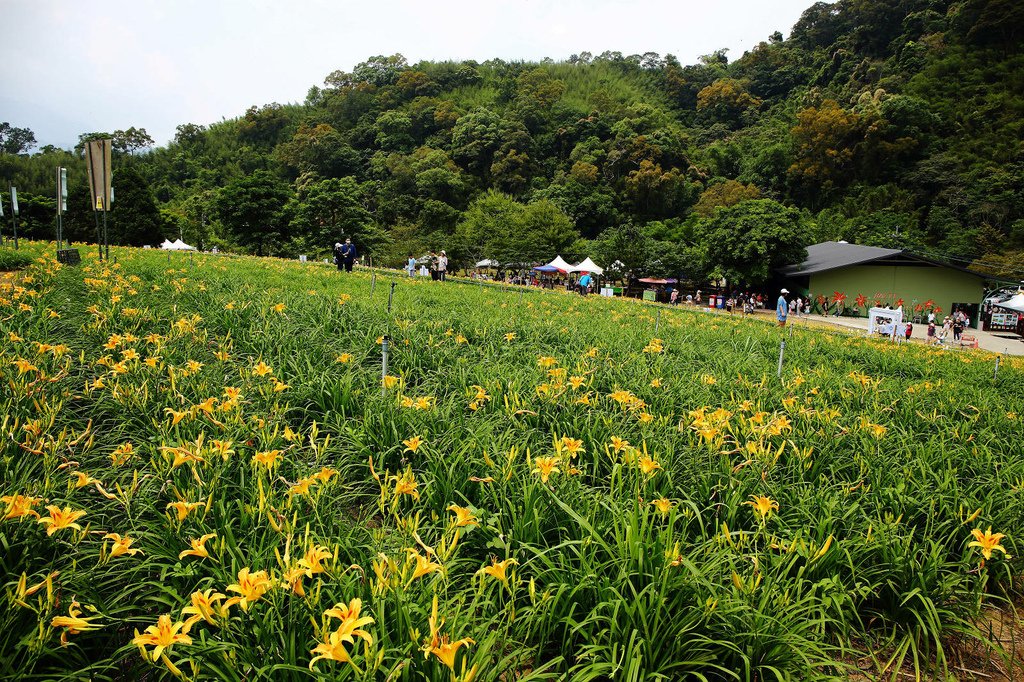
[885, 321]
[608, 291]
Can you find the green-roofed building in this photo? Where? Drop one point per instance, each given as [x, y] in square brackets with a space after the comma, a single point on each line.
[887, 276]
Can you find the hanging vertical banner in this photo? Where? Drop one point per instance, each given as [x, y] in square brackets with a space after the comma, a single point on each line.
[14, 200]
[97, 160]
[62, 190]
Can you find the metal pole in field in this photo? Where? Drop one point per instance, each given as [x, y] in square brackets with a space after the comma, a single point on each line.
[782, 351]
[106, 238]
[657, 322]
[996, 373]
[99, 239]
[384, 363]
[391, 295]
[373, 283]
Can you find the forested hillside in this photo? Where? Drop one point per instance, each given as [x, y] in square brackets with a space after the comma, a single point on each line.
[885, 122]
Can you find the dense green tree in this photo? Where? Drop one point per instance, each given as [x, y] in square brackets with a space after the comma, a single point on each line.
[131, 141]
[14, 140]
[728, 193]
[320, 150]
[331, 210]
[134, 218]
[252, 208]
[749, 241]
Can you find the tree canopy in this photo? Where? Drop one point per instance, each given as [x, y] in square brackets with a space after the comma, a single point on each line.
[880, 122]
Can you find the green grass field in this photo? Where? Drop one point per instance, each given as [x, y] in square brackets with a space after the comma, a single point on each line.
[203, 475]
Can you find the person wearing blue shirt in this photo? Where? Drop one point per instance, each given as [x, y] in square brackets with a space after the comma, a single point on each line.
[348, 254]
[782, 308]
[584, 283]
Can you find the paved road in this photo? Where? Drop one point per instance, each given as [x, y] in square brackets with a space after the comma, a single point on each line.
[1003, 342]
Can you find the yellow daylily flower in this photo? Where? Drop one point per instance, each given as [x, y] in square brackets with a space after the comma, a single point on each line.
[73, 623]
[663, 505]
[406, 484]
[162, 636]
[204, 606]
[422, 565]
[18, 506]
[250, 587]
[987, 542]
[268, 458]
[332, 647]
[412, 444]
[648, 465]
[184, 508]
[261, 369]
[312, 561]
[545, 466]
[438, 644]
[499, 570]
[198, 547]
[121, 545]
[463, 516]
[762, 506]
[619, 444]
[60, 518]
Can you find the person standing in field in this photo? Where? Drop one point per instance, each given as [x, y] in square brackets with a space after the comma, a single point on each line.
[782, 308]
[338, 260]
[931, 331]
[584, 283]
[348, 254]
[410, 266]
[442, 265]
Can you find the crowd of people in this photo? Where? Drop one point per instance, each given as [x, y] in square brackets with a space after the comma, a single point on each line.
[434, 266]
[952, 324]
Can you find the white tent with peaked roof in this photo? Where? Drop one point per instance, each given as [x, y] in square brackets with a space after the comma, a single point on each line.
[560, 264]
[588, 266]
[1016, 303]
[176, 245]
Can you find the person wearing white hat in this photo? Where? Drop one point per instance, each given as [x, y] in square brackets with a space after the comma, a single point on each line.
[782, 308]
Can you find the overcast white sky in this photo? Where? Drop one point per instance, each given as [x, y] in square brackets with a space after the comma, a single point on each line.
[74, 66]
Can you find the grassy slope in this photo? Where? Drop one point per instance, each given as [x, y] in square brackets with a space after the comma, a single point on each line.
[869, 542]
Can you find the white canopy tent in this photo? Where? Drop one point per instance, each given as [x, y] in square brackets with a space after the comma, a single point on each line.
[1016, 303]
[560, 264]
[176, 245]
[587, 266]
[487, 263]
